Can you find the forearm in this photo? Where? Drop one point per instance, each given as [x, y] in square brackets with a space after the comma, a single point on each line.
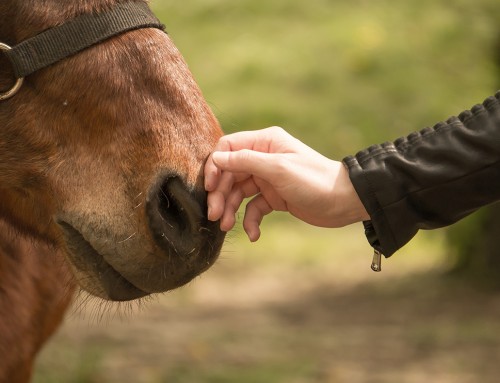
[431, 178]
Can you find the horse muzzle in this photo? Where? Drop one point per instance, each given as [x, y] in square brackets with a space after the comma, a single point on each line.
[173, 243]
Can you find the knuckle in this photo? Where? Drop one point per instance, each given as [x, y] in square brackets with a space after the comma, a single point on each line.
[244, 155]
[278, 130]
[234, 200]
[223, 143]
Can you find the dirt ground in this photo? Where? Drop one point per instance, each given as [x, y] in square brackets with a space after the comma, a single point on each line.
[253, 321]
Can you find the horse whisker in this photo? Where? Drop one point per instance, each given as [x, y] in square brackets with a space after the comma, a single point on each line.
[128, 238]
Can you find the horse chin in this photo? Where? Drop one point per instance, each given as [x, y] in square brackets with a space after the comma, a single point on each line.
[93, 273]
[126, 278]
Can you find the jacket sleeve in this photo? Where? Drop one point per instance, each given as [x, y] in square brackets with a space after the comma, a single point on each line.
[431, 178]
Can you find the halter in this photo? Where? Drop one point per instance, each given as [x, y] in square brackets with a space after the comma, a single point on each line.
[74, 36]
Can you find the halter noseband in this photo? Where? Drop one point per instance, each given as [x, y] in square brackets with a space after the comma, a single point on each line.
[74, 36]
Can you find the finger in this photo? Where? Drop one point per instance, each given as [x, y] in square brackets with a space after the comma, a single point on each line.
[265, 140]
[250, 162]
[253, 139]
[212, 175]
[216, 199]
[233, 202]
[255, 211]
[215, 203]
[228, 220]
[226, 183]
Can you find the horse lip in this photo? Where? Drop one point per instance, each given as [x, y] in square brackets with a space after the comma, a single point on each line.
[86, 259]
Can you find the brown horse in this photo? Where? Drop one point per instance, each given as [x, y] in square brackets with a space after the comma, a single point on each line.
[100, 177]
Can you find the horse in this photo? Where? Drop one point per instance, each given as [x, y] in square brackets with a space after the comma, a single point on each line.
[101, 187]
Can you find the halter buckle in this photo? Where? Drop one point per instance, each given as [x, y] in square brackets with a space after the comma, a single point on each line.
[19, 82]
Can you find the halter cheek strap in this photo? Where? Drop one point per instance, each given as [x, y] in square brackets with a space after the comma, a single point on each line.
[72, 37]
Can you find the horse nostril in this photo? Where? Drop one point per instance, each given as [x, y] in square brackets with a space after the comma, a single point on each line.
[175, 215]
[177, 206]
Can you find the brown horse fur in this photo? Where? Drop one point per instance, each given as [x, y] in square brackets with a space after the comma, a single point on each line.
[81, 146]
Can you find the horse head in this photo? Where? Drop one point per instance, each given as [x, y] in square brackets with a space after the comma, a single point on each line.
[101, 155]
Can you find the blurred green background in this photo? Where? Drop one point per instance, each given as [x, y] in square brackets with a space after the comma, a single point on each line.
[302, 305]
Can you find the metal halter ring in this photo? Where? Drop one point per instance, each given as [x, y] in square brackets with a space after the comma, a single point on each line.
[19, 82]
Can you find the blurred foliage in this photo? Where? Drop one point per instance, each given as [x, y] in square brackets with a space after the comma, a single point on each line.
[340, 74]
[473, 248]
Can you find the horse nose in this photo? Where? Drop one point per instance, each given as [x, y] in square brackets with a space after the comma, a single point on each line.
[176, 215]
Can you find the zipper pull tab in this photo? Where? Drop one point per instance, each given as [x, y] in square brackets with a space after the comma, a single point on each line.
[377, 261]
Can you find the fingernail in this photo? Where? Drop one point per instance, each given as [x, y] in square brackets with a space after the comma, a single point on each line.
[254, 235]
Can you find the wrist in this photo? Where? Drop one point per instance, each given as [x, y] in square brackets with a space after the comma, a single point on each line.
[347, 204]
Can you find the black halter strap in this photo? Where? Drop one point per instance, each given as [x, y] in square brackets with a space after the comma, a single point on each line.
[82, 32]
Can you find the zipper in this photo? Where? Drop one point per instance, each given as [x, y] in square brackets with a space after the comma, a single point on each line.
[372, 237]
[377, 261]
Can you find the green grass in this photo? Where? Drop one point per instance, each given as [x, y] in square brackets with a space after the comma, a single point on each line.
[270, 372]
[70, 364]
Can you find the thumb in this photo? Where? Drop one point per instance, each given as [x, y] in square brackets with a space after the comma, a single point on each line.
[245, 161]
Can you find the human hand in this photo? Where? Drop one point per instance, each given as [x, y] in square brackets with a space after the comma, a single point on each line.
[282, 174]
